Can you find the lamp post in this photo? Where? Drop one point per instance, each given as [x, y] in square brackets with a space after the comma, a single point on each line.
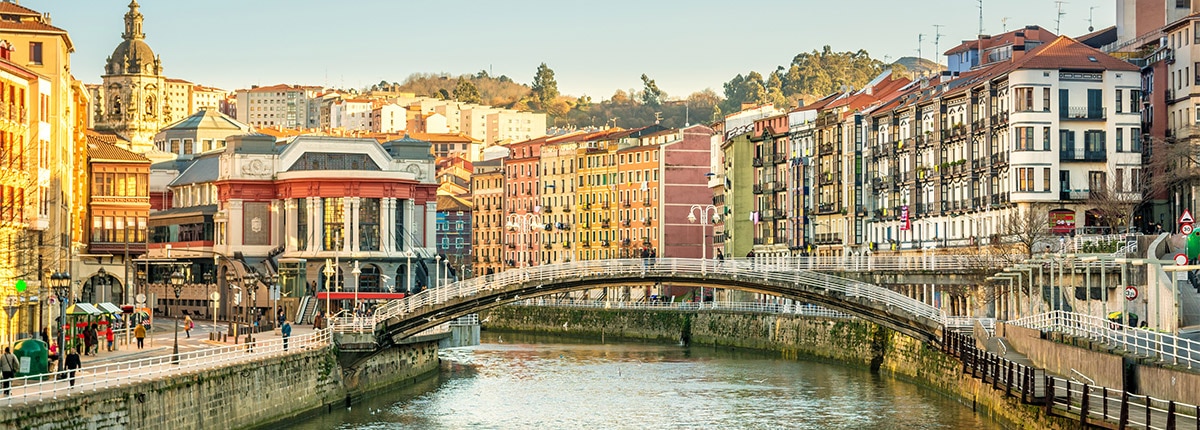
[524, 224]
[703, 211]
[329, 272]
[408, 280]
[177, 287]
[250, 285]
[232, 279]
[273, 287]
[61, 282]
[356, 272]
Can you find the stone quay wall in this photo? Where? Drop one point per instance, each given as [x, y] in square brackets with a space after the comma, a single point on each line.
[254, 394]
[852, 342]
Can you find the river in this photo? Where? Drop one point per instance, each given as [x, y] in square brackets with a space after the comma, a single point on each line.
[530, 382]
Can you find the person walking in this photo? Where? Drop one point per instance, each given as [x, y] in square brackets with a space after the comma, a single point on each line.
[286, 330]
[187, 325]
[140, 333]
[89, 339]
[73, 363]
[110, 337]
[8, 366]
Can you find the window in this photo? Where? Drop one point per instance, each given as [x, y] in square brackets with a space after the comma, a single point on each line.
[1024, 99]
[400, 231]
[368, 224]
[334, 223]
[1024, 139]
[35, 53]
[1025, 179]
[1119, 184]
[1135, 139]
[1046, 179]
[1045, 100]
[1093, 141]
[1135, 101]
[302, 224]
[1045, 138]
[1120, 139]
[1119, 103]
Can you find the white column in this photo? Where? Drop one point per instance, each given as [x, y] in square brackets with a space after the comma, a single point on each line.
[234, 223]
[387, 217]
[431, 224]
[289, 224]
[409, 224]
[316, 221]
[355, 206]
[347, 227]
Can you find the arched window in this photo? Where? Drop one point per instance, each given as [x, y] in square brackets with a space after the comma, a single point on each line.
[368, 280]
[150, 105]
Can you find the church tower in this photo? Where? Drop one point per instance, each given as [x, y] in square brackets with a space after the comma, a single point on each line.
[130, 101]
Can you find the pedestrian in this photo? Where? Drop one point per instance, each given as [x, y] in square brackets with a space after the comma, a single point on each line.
[280, 318]
[287, 332]
[140, 333]
[187, 325]
[89, 339]
[46, 335]
[720, 255]
[110, 337]
[8, 366]
[73, 363]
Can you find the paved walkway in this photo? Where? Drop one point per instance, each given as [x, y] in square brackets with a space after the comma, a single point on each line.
[128, 364]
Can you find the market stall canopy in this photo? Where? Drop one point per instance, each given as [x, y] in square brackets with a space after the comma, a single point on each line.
[83, 309]
[109, 308]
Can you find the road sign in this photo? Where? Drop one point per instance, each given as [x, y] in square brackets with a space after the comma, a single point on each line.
[214, 296]
[1186, 217]
[1131, 293]
[1185, 228]
[141, 298]
[12, 301]
[1181, 259]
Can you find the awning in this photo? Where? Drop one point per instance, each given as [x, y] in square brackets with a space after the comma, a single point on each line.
[109, 308]
[80, 309]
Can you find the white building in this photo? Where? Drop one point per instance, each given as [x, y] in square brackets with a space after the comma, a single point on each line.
[279, 106]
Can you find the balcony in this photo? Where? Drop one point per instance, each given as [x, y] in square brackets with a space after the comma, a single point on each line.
[548, 245]
[1072, 155]
[1082, 113]
[586, 206]
[825, 149]
[769, 214]
[566, 208]
[779, 186]
[604, 243]
[604, 224]
[648, 221]
[827, 238]
[624, 223]
[758, 162]
[625, 242]
[548, 209]
[585, 244]
[826, 208]
[999, 159]
[760, 241]
[758, 189]
[625, 203]
[1074, 195]
[779, 158]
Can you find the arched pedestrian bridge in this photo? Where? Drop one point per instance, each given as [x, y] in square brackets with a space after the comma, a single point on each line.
[401, 319]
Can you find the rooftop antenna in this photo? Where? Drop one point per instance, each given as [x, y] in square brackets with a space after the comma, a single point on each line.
[937, 37]
[1004, 24]
[980, 17]
[920, 40]
[1058, 22]
[1090, 27]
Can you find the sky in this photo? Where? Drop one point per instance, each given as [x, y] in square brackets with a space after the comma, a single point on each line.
[594, 47]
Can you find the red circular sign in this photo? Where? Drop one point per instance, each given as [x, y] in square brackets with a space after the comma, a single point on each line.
[1131, 293]
[1185, 229]
[1181, 259]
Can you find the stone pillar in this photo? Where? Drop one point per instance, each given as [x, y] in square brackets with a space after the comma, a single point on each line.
[289, 224]
[234, 223]
[316, 218]
[431, 224]
[347, 228]
[387, 220]
[355, 207]
[409, 224]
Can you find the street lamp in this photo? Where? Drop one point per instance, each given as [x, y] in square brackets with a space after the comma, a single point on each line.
[703, 211]
[61, 282]
[232, 279]
[329, 272]
[356, 272]
[524, 224]
[250, 284]
[177, 287]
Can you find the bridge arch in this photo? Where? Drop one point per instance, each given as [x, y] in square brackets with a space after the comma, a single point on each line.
[403, 318]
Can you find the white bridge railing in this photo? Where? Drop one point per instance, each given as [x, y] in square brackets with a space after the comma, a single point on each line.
[740, 269]
[756, 307]
[1164, 347]
[99, 377]
[870, 263]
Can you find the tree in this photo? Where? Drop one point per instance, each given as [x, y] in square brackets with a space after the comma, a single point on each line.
[651, 95]
[466, 92]
[1029, 229]
[1118, 199]
[545, 88]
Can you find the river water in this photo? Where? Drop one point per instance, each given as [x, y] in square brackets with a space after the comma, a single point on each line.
[530, 382]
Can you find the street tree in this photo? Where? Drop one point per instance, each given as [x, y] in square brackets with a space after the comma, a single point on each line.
[545, 88]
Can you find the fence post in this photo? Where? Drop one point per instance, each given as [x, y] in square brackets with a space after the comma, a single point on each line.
[1048, 395]
[1124, 419]
[1104, 396]
[1171, 415]
[1083, 406]
[995, 370]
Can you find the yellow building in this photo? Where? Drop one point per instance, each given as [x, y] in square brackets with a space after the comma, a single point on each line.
[596, 197]
[53, 145]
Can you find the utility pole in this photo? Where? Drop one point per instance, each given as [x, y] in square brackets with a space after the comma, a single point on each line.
[980, 17]
[1058, 22]
[920, 40]
[1090, 10]
[1004, 24]
[937, 37]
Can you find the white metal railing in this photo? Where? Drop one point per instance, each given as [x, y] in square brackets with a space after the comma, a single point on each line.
[1162, 346]
[95, 378]
[740, 269]
[756, 307]
[871, 263]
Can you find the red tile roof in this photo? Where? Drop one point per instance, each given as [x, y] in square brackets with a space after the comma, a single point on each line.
[1067, 53]
[9, 8]
[1033, 33]
[101, 147]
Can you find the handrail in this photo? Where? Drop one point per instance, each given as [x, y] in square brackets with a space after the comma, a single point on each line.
[656, 267]
[757, 307]
[1081, 375]
[94, 378]
[1163, 346]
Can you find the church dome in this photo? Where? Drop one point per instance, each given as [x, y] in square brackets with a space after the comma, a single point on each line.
[132, 56]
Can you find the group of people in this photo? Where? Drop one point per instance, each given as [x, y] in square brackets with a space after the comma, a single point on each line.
[91, 338]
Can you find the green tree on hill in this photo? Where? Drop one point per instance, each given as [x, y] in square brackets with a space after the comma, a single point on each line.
[466, 92]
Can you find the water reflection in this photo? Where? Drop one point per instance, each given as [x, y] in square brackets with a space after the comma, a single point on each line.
[531, 382]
